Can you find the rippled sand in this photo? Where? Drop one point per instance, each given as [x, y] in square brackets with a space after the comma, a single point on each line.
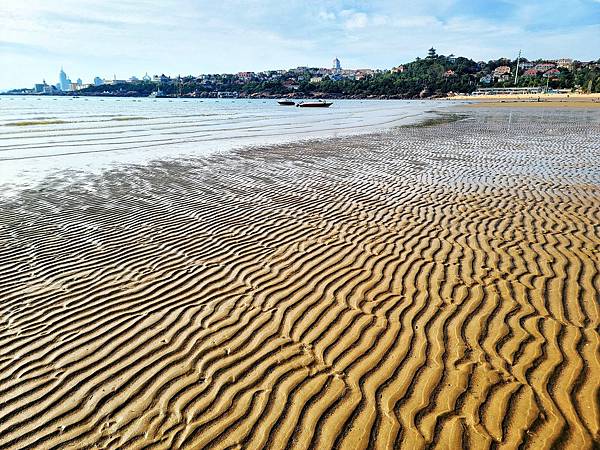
[430, 285]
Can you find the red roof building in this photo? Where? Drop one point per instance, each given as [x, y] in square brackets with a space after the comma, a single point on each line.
[543, 67]
[502, 70]
[551, 73]
[291, 84]
[530, 73]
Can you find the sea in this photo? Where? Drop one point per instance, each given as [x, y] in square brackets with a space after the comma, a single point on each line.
[50, 137]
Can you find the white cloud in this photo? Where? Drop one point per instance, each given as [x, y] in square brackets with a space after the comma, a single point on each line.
[329, 16]
[416, 21]
[354, 20]
[126, 37]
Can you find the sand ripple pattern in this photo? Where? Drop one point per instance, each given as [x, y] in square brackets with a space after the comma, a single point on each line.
[427, 287]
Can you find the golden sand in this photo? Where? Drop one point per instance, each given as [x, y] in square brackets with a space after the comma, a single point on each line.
[427, 286]
[571, 97]
[588, 101]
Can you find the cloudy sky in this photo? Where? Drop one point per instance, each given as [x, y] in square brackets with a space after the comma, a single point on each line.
[131, 37]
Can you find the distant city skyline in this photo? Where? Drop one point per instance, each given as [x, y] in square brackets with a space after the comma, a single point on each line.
[92, 38]
[65, 83]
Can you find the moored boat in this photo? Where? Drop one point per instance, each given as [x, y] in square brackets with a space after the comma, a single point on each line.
[315, 104]
[157, 94]
[285, 102]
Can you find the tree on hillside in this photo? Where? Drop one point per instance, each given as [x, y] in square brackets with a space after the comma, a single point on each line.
[431, 54]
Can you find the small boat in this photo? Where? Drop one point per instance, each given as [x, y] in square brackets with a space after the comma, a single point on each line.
[317, 104]
[284, 102]
[157, 94]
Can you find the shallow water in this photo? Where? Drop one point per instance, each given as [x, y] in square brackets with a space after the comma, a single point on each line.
[46, 136]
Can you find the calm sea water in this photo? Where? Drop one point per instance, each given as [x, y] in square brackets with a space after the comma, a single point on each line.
[48, 136]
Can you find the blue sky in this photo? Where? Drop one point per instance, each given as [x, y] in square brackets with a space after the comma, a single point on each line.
[131, 37]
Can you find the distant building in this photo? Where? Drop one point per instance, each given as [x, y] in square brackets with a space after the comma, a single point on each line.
[498, 71]
[486, 79]
[146, 77]
[79, 82]
[291, 84]
[526, 65]
[511, 90]
[544, 67]
[227, 94]
[399, 69]
[362, 74]
[337, 66]
[551, 73]
[63, 81]
[530, 73]
[98, 81]
[245, 76]
[449, 73]
[115, 81]
[501, 73]
[565, 63]
[44, 88]
[316, 79]
[584, 64]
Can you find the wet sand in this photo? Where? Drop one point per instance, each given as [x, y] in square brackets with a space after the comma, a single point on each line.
[431, 285]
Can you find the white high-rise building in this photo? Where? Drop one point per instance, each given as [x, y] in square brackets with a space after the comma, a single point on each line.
[63, 81]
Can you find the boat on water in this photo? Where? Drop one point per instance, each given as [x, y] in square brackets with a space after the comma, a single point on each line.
[285, 102]
[157, 94]
[315, 104]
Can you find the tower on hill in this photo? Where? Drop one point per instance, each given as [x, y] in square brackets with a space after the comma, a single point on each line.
[336, 64]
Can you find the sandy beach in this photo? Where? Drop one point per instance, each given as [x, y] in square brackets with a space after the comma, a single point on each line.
[432, 285]
[569, 101]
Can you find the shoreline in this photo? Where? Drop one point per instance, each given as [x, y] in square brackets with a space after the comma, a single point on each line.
[543, 97]
[423, 285]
